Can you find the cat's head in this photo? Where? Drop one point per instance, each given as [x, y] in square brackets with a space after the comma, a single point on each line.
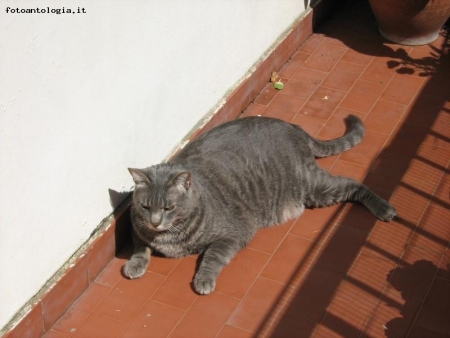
[162, 196]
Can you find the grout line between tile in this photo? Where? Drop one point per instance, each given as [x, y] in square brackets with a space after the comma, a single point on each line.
[425, 210]
[259, 274]
[184, 315]
[370, 166]
[90, 312]
[320, 245]
[237, 327]
[344, 97]
[137, 312]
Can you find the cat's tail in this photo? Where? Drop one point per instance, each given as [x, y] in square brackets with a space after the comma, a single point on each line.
[353, 136]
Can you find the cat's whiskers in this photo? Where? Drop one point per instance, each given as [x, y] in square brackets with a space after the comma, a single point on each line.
[177, 227]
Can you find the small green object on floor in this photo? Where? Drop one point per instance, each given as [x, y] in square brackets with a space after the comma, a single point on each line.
[278, 85]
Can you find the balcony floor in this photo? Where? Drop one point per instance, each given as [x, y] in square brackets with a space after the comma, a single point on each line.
[334, 272]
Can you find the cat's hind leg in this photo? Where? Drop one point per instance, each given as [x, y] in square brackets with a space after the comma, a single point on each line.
[216, 256]
[330, 190]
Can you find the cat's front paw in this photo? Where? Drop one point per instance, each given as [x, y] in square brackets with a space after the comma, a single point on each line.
[204, 286]
[386, 212]
[134, 269]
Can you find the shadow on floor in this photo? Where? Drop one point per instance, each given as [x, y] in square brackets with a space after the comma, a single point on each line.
[311, 303]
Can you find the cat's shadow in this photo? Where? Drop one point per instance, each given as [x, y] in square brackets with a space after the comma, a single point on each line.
[116, 198]
[416, 281]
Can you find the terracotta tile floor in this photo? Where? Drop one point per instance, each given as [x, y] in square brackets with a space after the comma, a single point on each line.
[334, 272]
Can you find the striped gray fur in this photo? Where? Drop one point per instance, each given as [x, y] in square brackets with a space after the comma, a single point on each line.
[241, 176]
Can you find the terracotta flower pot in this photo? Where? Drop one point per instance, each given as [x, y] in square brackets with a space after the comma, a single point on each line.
[410, 22]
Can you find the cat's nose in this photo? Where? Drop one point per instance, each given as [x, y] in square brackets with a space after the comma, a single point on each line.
[155, 220]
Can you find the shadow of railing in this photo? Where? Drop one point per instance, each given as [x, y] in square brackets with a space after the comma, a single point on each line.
[311, 299]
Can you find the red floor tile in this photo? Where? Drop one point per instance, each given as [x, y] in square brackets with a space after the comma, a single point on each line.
[349, 169]
[194, 321]
[419, 332]
[247, 264]
[434, 313]
[343, 76]
[229, 331]
[433, 231]
[410, 204]
[386, 173]
[176, 290]
[128, 296]
[325, 57]
[163, 266]
[369, 148]
[256, 307]
[336, 34]
[384, 117]
[402, 89]
[287, 324]
[284, 107]
[438, 85]
[267, 240]
[291, 67]
[341, 249]
[423, 110]
[304, 83]
[312, 296]
[81, 309]
[389, 240]
[362, 51]
[290, 261]
[327, 163]
[428, 165]
[98, 325]
[441, 195]
[393, 315]
[266, 95]
[316, 224]
[54, 334]
[366, 281]
[112, 274]
[405, 140]
[254, 109]
[312, 125]
[323, 103]
[343, 319]
[335, 126]
[362, 96]
[444, 267]
[311, 44]
[378, 72]
[154, 320]
[416, 264]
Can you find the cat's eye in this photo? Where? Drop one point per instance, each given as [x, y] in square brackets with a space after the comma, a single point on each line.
[146, 207]
[169, 208]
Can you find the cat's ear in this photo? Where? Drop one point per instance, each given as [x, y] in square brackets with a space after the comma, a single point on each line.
[139, 177]
[183, 179]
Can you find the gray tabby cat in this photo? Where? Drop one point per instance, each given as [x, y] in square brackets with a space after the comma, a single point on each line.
[241, 176]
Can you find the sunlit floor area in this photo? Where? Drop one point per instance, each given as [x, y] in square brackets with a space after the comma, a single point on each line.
[333, 272]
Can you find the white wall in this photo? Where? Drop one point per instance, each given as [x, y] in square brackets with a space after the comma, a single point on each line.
[84, 96]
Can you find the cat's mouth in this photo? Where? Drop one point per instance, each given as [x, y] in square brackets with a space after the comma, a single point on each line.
[174, 228]
[159, 228]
